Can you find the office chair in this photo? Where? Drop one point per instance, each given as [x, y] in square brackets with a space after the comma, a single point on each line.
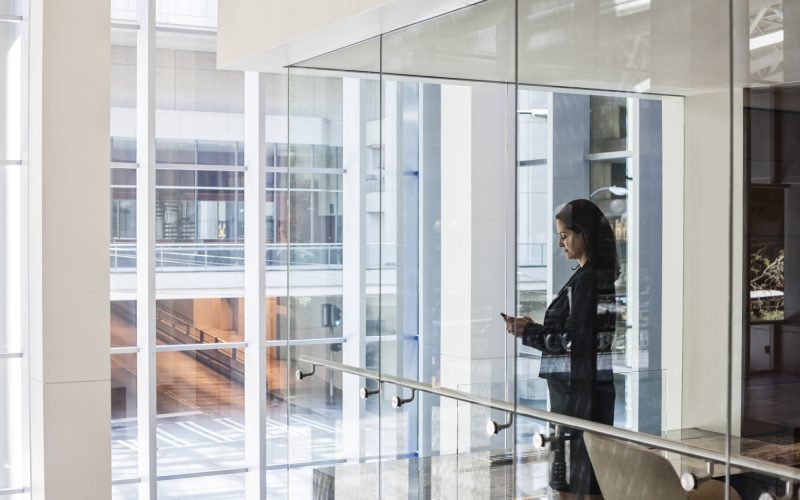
[629, 472]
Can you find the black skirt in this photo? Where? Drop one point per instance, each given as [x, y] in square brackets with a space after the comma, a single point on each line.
[581, 475]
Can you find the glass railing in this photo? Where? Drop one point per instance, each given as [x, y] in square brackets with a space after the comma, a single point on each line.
[489, 409]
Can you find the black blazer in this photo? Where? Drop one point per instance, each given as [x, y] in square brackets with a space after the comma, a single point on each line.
[578, 326]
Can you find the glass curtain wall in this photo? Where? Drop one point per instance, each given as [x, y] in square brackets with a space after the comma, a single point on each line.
[421, 183]
[13, 202]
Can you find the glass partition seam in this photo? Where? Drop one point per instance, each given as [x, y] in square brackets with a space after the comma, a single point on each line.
[24, 307]
[381, 169]
[731, 171]
[514, 239]
[288, 272]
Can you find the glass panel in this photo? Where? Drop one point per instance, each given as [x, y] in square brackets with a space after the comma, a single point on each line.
[190, 14]
[123, 323]
[12, 247]
[124, 445]
[328, 423]
[9, 8]
[227, 487]
[12, 442]
[473, 43]
[202, 321]
[11, 109]
[443, 179]
[122, 250]
[625, 302]
[199, 119]
[216, 153]
[123, 10]
[200, 398]
[613, 192]
[766, 63]
[125, 491]
[176, 151]
[766, 53]
[123, 96]
[678, 48]
[359, 57]
[13, 186]
[769, 413]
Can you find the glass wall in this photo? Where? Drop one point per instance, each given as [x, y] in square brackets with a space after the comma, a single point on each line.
[544, 162]
[483, 233]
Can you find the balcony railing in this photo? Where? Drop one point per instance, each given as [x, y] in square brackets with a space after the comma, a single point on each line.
[228, 256]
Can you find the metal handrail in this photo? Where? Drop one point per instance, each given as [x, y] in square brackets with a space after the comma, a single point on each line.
[752, 464]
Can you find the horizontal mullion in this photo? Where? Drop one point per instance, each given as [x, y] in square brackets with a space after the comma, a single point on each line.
[10, 355]
[199, 347]
[611, 155]
[302, 342]
[10, 163]
[198, 188]
[10, 19]
[124, 350]
[12, 491]
[132, 480]
[306, 170]
[191, 475]
[205, 168]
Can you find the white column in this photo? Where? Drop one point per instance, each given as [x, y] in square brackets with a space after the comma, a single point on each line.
[706, 285]
[672, 251]
[68, 237]
[145, 250]
[354, 311]
[475, 266]
[254, 284]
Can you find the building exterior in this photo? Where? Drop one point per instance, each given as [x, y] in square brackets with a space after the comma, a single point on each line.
[259, 249]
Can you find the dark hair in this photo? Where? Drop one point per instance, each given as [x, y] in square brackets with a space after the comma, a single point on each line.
[583, 217]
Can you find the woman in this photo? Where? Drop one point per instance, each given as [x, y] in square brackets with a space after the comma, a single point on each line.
[575, 338]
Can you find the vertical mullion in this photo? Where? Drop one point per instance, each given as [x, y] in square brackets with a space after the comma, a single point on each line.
[145, 250]
[254, 286]
[24, 339]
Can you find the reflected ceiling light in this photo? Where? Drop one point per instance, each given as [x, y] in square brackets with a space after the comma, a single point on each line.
[761, 41]
[628, 7]
[642, 86]
[615, 190]
[535, 112]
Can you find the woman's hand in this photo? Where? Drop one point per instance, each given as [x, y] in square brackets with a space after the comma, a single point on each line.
[516, 325]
